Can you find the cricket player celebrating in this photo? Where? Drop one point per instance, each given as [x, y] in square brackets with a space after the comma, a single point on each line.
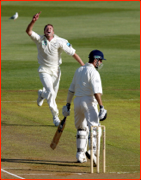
[50, 47]
[87, 87]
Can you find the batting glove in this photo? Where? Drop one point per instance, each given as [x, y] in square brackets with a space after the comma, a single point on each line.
[66, 110]
[102, 113]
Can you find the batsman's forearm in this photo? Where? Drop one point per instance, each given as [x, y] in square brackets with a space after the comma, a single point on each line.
[78, 59]
[30, 27]
[98, 98]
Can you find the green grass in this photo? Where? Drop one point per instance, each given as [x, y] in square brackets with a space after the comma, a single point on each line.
[112, 27]
[65, 11]
[130, 42]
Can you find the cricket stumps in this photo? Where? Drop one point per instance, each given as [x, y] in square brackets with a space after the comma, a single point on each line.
[97, 148]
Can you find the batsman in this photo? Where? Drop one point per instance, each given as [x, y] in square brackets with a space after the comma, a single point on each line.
[87, 88]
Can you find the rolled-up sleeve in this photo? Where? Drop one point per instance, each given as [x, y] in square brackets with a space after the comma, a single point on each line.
[67, 47]
[96, 83]
[69, 50]
[35, 37]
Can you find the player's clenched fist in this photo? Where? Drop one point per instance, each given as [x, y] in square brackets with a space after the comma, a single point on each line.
[36, 16]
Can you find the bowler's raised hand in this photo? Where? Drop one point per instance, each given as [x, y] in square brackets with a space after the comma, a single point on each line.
[36, 16]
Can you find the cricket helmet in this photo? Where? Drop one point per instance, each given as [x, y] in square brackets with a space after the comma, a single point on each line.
[96, 54]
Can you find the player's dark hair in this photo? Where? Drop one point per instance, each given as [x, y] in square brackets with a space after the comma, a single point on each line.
[48, 25]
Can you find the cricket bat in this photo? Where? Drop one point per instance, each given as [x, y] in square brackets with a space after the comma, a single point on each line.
[58, 134]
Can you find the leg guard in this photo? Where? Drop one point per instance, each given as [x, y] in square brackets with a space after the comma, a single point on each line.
[81, 142]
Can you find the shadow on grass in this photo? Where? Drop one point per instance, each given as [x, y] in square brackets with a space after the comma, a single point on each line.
[44, 162]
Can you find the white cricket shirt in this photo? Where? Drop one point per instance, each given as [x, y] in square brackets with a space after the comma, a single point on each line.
[49, 52]
[86, 81]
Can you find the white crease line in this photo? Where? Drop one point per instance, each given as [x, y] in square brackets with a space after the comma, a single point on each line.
[78, 173]
[37, 174]
[123, 172]
[12, 174]
[49, 174]
[121, 165]
[66, 173]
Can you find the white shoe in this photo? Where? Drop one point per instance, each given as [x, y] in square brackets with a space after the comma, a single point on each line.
[88, 154]
[81, 158]
[40, 99]
[56, 121]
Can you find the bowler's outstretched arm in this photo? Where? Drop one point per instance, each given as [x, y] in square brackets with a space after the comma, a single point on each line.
[30, 26]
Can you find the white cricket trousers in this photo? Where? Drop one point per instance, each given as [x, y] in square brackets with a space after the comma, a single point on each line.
[85, 112]
[51, 84]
